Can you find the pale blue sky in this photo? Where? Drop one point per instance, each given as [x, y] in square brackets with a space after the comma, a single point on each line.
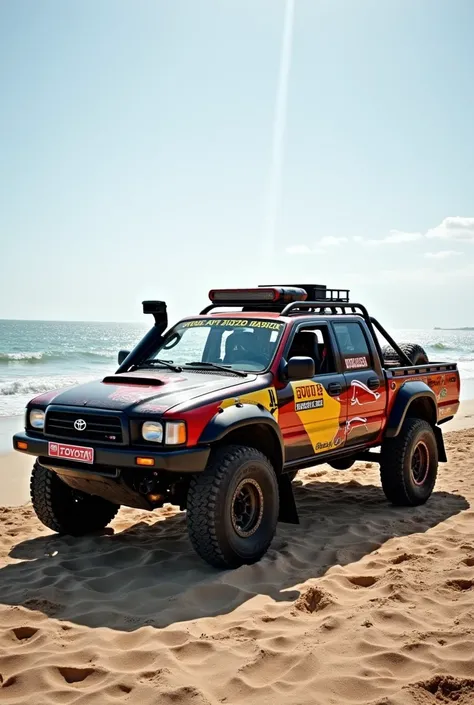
[135, 146]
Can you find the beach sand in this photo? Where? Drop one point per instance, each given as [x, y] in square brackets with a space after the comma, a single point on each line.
[363, 603]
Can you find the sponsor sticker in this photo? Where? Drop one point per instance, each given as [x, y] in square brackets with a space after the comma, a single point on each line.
[232, 323]
[307, 405]
[445, 411]
[309, 391]
[79, 454]
[323, 445]
[355, 363]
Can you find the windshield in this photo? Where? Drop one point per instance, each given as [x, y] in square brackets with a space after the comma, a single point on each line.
[241, 344]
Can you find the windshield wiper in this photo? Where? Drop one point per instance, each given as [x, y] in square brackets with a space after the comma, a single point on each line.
[165, 363]
[215, 366]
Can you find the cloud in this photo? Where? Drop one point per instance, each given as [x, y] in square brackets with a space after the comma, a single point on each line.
[330, 241]
[394, 238]
[442, 254]
[319, 248]
[298, 250]
[454, 228]
[420, 275]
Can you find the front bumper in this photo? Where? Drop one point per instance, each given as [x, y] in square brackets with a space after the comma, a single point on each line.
[182, 460]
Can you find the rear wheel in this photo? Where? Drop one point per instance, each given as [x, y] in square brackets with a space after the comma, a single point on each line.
[414, 352]
[65, 510]
[232, 507]
[409, 464]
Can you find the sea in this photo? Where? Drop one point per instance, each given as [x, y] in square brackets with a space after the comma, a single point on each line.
[37, 356]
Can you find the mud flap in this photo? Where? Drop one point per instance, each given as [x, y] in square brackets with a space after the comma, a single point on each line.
[288, 511]
[442, 457]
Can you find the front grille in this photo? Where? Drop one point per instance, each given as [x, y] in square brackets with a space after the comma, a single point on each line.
[99, 429]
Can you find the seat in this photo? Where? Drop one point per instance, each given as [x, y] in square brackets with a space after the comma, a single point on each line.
[240, 346]
[323, 356]
[305, 344]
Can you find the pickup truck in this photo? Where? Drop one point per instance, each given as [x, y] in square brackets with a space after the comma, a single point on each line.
[218, 413]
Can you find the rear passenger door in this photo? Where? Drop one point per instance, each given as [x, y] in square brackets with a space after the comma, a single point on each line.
[365, 383]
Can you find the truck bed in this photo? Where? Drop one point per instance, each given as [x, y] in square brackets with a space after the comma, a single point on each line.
[442, 378]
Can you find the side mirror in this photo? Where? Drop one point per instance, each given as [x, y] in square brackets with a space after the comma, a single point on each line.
[123, 354]
[300, 368]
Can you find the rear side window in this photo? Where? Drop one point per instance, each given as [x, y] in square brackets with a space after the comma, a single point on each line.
[353, 345]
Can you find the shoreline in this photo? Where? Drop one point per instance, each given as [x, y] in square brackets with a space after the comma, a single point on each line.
[15, 467]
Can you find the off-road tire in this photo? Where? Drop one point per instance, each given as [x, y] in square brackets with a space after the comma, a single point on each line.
[414, 352]
[212, 498]
[399, 458]
[65, 510]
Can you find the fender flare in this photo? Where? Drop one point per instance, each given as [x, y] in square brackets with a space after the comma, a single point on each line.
[406, 395]
[239, 416]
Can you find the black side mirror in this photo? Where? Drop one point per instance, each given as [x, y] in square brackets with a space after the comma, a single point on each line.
[123, 354]
[300, 368]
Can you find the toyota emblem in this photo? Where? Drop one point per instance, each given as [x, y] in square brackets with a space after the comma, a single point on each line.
[80, 425]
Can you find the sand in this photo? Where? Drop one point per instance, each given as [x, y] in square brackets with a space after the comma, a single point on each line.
[361, 604]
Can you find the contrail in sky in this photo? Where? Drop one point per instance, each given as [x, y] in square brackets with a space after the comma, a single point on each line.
[279, 126]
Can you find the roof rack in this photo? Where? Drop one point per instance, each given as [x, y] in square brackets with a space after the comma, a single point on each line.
[324, 306]
[319, 292]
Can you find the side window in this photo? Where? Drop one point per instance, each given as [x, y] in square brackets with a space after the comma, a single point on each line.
[353, 345]
[314, 342]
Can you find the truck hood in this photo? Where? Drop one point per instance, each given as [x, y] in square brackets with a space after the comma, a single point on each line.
[143, 391]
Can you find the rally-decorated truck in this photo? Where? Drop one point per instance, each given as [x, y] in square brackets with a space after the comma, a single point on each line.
[219, 412]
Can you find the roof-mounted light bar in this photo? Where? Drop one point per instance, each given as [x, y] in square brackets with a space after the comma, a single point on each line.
[262, 295]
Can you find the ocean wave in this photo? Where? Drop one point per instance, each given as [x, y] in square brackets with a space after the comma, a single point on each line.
[41, 357]
[35, 386]
[31, 386]
[441, 346]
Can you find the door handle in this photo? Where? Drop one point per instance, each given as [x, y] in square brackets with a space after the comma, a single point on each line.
[334, 388]
[373, 383]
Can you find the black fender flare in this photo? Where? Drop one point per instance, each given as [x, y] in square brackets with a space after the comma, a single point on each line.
[239, 416]
[406, 395]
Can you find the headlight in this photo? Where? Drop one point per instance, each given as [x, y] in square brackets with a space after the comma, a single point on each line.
[37, 419]
[175, 433]
[152, 431]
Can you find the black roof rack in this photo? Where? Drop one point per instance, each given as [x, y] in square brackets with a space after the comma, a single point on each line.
[317, 292]
[326, 306]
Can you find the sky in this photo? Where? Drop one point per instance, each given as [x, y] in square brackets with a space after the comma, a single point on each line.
[137, 144]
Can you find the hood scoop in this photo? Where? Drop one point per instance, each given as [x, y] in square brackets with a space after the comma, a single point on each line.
[123, 379]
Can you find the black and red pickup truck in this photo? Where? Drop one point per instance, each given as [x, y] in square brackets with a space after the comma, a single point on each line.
[217, 414]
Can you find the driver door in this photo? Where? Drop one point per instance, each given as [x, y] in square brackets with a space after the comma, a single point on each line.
[313, 412]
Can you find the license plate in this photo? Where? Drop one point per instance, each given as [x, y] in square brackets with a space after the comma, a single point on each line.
[79, 454]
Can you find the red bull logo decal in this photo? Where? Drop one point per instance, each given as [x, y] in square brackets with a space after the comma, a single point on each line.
[356, 422]
[361, 394]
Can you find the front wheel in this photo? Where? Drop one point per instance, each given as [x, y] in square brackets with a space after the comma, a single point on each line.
[232, 508]
[65, 510]
[409, 464]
